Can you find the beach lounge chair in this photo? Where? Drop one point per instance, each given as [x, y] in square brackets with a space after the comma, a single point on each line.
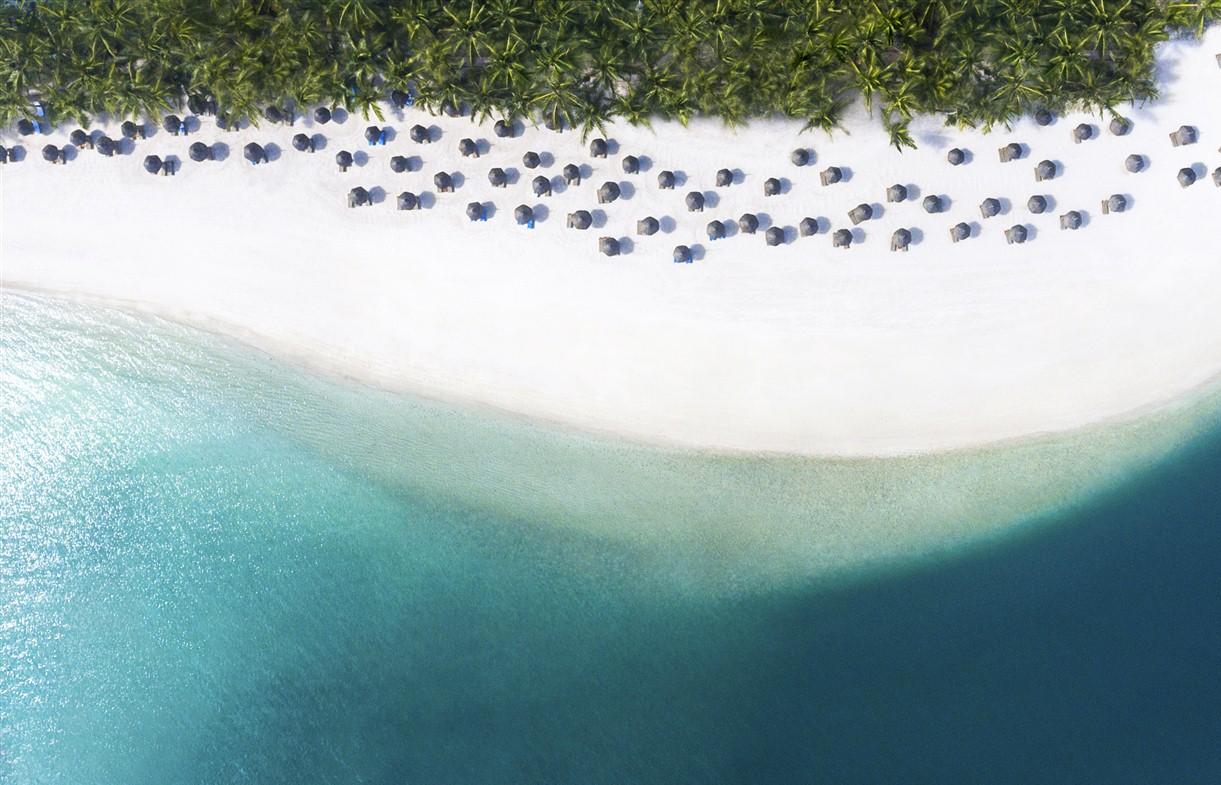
[900, 240]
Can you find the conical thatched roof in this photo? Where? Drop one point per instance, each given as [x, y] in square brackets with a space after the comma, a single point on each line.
[1082, 132]
[862, 212]
[1217, 176]
[502, 129]
[407, 201]
[774, 235]
[724, 177]
[541, 186]
[443, 181]
[960, 231]
[808, 227]
[990, 207]
[1036, 204]
[497, 177]
[273, 114]
[900, 239]
[771, 186]
[399, 164]
[1120, 126]
[1117, 203]
[474, 211]
[715, 230]
[1043, 117]
[343, 158]
[1070, 220]
[358, 196]
[468, 148]
[800, 157]
[419, 134]
[695, 201]
[933, 204]
[105, 145]
[598, 148]
[647, 226]
[1044, 170]
[1134, 163]
[665, 179]
[956, 156]
[831, 175]
[631, 164]
[523, 213]
[152, 164]
[748, 223]
[530, 160]
[896, 193]
[302, 143]
[1186, 176]
[372, 133]
[25, 127]
[50, 153]
[254, 153]
[130, 129]
[199, 151]
[609, 192]
[841, 239]
[572, 173]
[1186, 134]
[398, 98]
[1011, 152]
[581, 219]
[171, 123]
[79, 137]
[682, 254]
[322, 115]
[1015, 234]
[608, 246]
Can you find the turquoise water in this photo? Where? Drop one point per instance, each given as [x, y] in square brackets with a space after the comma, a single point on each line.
[215, 568]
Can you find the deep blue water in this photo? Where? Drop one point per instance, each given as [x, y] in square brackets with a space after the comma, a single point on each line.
[215, 569]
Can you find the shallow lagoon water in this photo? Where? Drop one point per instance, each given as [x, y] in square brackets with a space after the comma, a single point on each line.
[216, 568]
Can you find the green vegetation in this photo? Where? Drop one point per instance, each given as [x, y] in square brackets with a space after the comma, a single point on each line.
[582, 62]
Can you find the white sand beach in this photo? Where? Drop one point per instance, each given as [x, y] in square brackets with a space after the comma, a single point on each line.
[801, 348]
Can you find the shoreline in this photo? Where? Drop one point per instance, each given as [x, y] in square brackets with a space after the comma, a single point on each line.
[801, 349]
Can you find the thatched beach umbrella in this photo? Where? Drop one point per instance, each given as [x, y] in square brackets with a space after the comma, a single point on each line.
[400, 164]
[631, 164]
[598, 148]
[956, 156]
[468, 148]
[523, 214]
[407, 201]
[900, 240]
[1043, 117]
[451, 109]
[52, 154]
[1083, 132]
[1185, 135]
[358, 196]
[497, 177]
[553, 123]
[502, 129]
[131, 130]
[344, 159]
[419, 134]
[398, 98]
[474, 211]
[581, 219]
[172, 124]
[771, 186]
[715, 230]
[201, 104]
[25, 127]
[152, 164]
[443, 182]
[933, 204]
[800, 157]
[1115, 203]
[199, 152]
[831, 175]
[303, 144]
[1217, 177]
[80, 138]
[1015, 234]
[1134, 163]
[3, 154]
[225, 122]
[647, 226]
[273, 114]
[572, 174]
[774, 236]
[841, 239]
[609, 192]
[682, 254]
[862, 212]
[1070, 220]
[254, 153]
[1120, 126]
[1186, 177]
[608, 246]
[808, 227]
[105, 146]
[724, 177]
[1044, 170]
[373, 134]
[990, 207]
[1036, 204]
[748, 223]
[896, 193]
[541, 186]
[322, 115]
[665, 180]
[695, 202]
[1010, 152]
[959, 231]
[530, 160]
